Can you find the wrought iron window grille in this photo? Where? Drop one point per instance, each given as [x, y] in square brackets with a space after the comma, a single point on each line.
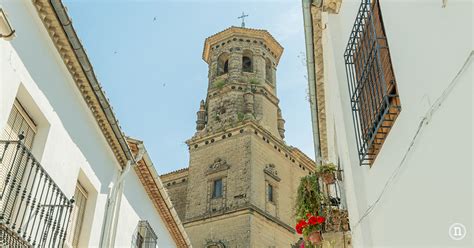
[374, 99]
[144, 236]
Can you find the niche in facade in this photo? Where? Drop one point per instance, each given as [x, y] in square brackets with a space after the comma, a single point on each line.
[247, 65]
[222, 64]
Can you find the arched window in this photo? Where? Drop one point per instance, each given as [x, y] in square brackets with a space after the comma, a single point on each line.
[247, 65]
[268, 71]
[223, 64]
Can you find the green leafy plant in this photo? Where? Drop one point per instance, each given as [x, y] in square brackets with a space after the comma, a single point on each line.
[326, 168]
[309, 197]
[254, 81]
[240, 116]
[326, 171]
[310, 213]
[219, 83]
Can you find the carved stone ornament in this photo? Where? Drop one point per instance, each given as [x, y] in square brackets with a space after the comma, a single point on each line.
[215, 244]
[272, 172]
[329, 6]
[218, 165]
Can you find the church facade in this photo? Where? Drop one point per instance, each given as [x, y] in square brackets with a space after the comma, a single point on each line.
[240, 187]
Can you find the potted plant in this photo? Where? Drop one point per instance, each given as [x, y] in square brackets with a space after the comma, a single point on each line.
[311, 227]
[326, 171]
[310, 214]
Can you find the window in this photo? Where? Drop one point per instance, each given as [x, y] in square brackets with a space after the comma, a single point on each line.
[145, 237]
[77, 216]
[19, 122]
[223, 64]
[217, 189]
[247, 61]
[270, 193]
[373, 90]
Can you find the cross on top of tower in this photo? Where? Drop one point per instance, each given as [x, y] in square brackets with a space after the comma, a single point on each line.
[243, 19]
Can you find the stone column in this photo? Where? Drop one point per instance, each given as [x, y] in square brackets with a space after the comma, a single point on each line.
[235, 65]
[259, 66]
[249, 104]
[281, 124]
[201, 117]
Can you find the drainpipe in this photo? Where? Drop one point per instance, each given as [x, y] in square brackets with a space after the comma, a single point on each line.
[109, 229]
[308, 34]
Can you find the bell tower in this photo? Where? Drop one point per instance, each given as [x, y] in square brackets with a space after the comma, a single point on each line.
[242, 81]
[240, 187]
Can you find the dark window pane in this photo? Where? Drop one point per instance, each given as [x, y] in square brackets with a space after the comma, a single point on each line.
[217, 192]
[246, 64]
[270, 193]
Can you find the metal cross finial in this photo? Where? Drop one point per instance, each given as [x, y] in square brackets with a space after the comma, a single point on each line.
[243, 19]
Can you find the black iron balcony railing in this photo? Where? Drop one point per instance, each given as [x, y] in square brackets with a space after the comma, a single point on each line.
[34, 212]
[372, 86]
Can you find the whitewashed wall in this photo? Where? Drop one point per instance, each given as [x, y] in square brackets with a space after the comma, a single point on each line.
[69, 143]
[434, 186]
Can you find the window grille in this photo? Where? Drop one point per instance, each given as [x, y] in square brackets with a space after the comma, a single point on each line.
[144, 237]
[373, 91]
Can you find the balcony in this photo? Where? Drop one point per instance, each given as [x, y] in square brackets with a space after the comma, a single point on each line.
[34, 212]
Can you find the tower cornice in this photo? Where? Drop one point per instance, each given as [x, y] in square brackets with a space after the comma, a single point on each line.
[269, 41]
[291, 153]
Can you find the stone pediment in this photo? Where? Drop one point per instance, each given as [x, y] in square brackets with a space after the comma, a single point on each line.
[219, 164]
[271, 171]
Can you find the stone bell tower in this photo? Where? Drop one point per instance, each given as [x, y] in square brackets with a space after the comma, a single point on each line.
[240, 187]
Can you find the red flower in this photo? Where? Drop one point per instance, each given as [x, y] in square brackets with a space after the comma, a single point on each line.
[299, 227]
[313, 220]
[308, 215]
[320, 219]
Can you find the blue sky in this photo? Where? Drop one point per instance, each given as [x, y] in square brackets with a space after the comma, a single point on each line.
[153, 73]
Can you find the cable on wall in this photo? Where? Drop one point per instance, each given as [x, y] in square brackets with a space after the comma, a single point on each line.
[424, 122]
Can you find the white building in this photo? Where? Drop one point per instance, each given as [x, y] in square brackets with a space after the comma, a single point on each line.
[391, 88]
[72, 146]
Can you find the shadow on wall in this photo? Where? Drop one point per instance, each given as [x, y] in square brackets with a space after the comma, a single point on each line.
[54, 80]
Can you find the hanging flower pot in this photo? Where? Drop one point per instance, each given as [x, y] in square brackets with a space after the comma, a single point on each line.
[326, 172]
[315, 238]
[329, 178]
[345, 227]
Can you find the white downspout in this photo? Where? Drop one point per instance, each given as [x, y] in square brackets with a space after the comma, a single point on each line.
[114, 201]
[308, 34]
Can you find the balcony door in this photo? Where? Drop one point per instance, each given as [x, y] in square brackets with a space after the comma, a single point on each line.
[19, 122]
